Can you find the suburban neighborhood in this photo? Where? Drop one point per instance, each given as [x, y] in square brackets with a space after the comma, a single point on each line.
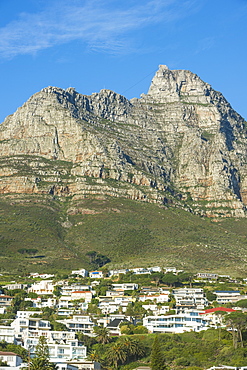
[67, 312]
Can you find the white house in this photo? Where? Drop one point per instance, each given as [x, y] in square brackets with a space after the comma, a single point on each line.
[156, 310]
[67, 289]
[110, 305]
[140, 271]
[65, 366]
[79, 323]
[96, 274]
[26, 314]
[158, 298]
[42, 276]
[82, 294]
[14, 286]
[7, 334]
[118, 272]
[85, 365]
[191, 321]
[11, 358]
[207, 276]
[81, 272]
[23, 326]
[190, 298]
[59, 351]
[5, 300]
[124, 286]
[226, 296]
[42, 287]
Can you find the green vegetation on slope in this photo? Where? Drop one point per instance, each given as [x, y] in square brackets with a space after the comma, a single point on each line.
[63, 231]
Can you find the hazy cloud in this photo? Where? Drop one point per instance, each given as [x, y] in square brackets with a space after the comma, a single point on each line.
[101, 25]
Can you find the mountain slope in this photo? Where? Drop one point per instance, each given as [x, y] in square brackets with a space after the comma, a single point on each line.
[180, 144]
[81, 173]
[129, 233]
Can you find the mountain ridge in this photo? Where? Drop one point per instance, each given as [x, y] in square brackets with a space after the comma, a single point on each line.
[181, 145]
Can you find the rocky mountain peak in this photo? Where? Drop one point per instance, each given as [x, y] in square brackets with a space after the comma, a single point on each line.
[180, 145]
[171, 86]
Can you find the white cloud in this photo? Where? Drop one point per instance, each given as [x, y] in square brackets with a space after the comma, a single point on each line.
[101, 25]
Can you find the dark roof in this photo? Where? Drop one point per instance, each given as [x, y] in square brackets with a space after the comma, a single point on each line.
[116, 322]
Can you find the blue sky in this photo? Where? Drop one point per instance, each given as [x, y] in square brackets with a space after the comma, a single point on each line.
[118, 45]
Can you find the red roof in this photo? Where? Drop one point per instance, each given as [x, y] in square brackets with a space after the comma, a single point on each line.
[8, 354]
[82, 291]
[212, 310]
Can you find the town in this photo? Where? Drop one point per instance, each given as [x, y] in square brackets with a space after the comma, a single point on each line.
[70, 313]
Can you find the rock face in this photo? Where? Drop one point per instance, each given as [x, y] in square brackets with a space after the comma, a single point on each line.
[181, 145]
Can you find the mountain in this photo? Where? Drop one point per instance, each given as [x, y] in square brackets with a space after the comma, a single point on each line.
[180, 146]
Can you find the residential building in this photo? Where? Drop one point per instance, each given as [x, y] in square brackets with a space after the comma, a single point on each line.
[158, 298]
[68, 289]
[5, 300]
[79, 323]
[96, 274]
[14, 286]
[23, 326]
[42, 287]
[190, 321]
[213, 315]
[114, 326]
[124, 286]
[82, 294]
[81, 272]
[11, 358]
[228, 296]
[117, 272]
[7, 334]
[156, 310]
[207, 276]
[85, 365]
[42, 276]
[59, 351]
[187, 298]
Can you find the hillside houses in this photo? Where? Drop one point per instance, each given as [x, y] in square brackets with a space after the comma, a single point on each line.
[62, 310]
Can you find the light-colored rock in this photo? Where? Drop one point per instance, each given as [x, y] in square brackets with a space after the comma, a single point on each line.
[181, 144]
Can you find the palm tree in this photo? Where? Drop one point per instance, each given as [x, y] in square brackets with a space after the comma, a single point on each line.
[102, 334]
[134, 348]
[117, 354]
[93, 356]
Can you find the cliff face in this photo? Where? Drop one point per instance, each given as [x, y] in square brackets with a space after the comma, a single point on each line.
[181, 144]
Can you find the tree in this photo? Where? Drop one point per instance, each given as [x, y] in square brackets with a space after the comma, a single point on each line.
[157, 357]
[93, 356]
[242, 303]
[117, 354]
[170, 279]
[157, 277]
[133, 347]
[102, 334]
[237, 321]
[91, 255]
[210, 296]
[57, 291]
[41, 359]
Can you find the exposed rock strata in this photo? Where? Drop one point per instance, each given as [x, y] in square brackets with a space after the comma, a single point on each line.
[180, 144]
